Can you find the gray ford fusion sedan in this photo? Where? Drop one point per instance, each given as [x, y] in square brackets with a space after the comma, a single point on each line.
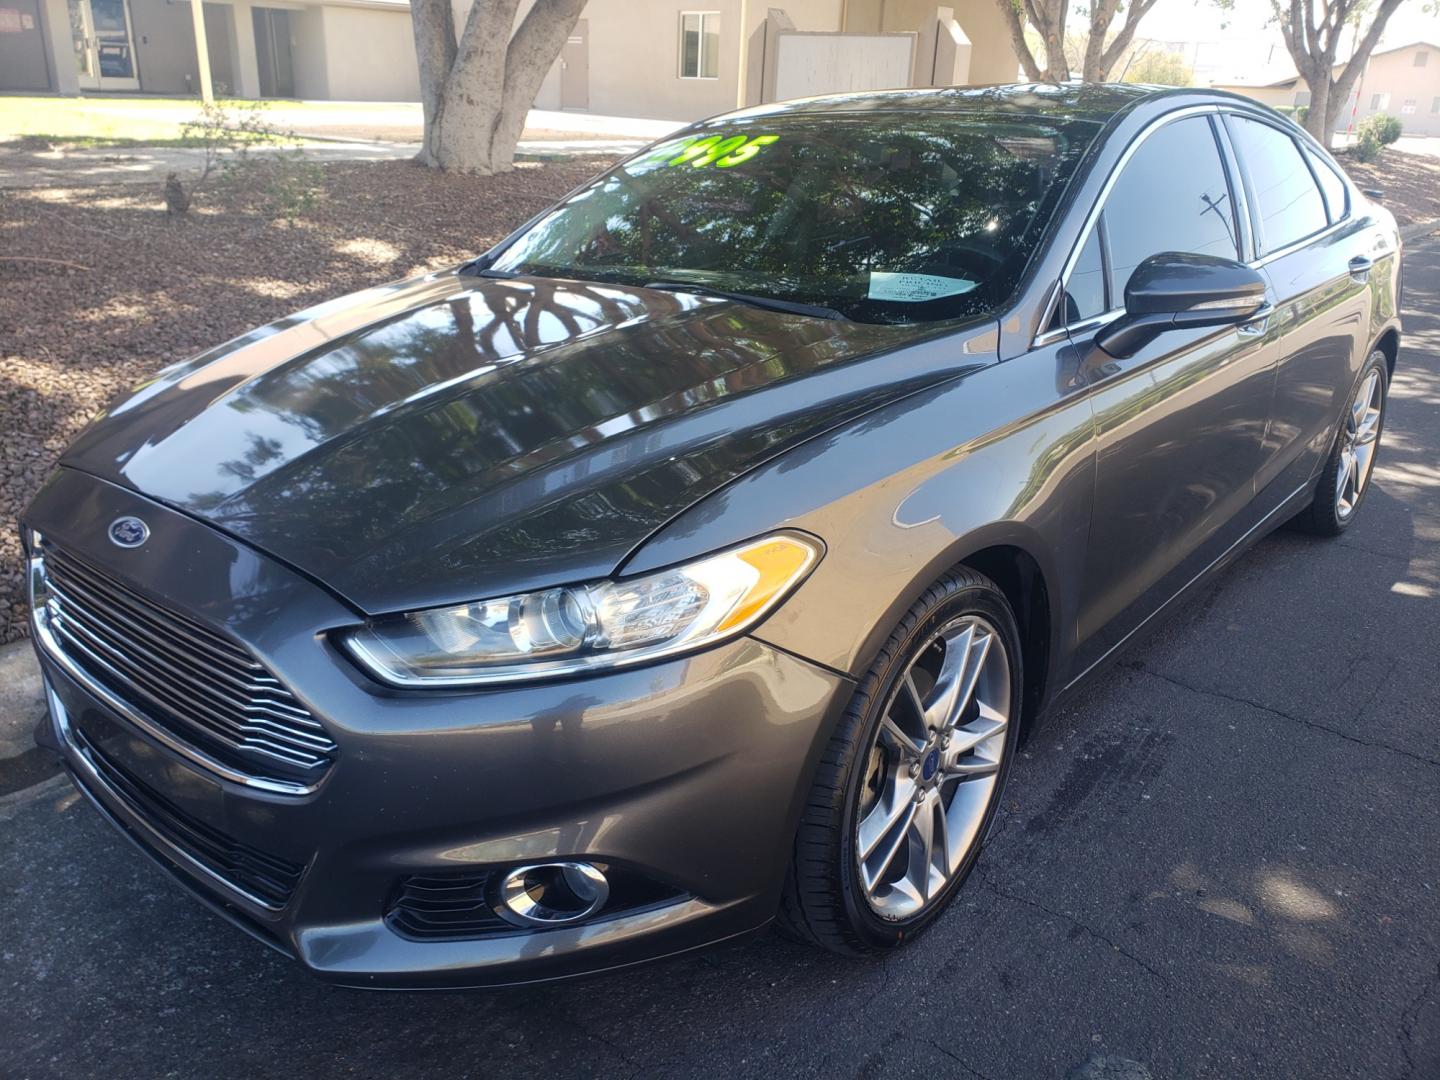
[697, 556]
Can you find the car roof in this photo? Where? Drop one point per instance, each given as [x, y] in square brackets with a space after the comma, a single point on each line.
[1070, 100]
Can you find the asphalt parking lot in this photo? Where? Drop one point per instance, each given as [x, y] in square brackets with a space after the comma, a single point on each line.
[1222, 860]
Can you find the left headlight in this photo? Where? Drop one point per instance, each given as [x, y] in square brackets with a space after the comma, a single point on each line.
[563, 631]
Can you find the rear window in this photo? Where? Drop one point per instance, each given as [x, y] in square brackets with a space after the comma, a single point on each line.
[1289, 203]
[899, 218]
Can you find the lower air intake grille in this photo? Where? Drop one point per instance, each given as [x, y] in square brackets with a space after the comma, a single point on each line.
[268, 879]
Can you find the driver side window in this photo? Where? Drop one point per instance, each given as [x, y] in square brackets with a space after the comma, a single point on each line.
[1173, 195]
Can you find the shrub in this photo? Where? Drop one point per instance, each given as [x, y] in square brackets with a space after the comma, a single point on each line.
[278, 178]
[1384, 128]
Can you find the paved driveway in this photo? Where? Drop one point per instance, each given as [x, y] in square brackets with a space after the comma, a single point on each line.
[1223, 860]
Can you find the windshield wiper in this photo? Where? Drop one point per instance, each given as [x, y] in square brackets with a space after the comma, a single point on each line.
[768, 302]
[476, 269]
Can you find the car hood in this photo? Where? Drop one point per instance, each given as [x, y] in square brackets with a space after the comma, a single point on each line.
[454, 437]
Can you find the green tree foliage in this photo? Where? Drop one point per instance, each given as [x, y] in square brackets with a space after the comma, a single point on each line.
[1159, 68]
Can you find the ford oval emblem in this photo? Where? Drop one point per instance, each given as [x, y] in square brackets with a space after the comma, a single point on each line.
[129, 532]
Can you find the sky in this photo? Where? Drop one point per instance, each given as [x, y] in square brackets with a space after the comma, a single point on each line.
[1244, 44]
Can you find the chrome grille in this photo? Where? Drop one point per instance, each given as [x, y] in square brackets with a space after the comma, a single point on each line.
[200, 687]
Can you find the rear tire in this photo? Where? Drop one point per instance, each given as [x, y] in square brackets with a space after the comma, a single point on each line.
[1345, 480]
[894, 753]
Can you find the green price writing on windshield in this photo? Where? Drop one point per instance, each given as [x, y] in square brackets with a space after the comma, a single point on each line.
[721, 151]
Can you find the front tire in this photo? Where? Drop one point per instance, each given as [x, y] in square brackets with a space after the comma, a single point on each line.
[1345, 480]
[910, 781]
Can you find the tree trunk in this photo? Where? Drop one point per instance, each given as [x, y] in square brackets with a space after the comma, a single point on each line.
[1102, 13]
[1015, 23]
[475, 92]
[1320, 114]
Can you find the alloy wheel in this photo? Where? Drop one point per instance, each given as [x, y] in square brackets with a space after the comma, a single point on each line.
[1357, 445]
[932, 768]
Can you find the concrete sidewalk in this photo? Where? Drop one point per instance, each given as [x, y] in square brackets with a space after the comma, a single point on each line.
[83, 166]
[330, 131]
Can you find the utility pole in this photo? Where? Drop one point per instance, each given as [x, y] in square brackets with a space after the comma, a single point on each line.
[202, 52]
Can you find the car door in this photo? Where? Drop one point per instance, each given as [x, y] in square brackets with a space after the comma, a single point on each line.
[1316, 256]
[1180, 425]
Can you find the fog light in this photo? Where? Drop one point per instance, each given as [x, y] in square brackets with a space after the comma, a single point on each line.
[552, 894]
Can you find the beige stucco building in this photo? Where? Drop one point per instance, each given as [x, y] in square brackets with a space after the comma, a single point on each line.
[1403, 82]
[669, 59]
[683, 61]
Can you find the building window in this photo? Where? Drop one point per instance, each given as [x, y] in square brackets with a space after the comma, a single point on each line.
[699, 45]
[1379, 102]
[1409, 107]
[1421, 59]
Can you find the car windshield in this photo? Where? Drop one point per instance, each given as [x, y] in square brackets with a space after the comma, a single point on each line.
[889, 218]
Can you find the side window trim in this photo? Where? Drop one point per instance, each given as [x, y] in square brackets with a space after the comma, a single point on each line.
[1241, 202]
[1316, 163]
[1111, 302]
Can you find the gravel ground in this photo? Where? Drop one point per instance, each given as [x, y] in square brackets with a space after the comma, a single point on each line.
[1409, 182]
[143, 291]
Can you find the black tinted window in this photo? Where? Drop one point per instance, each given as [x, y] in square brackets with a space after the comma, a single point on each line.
[1330, 184]
[1085, 289]
[1285, 193]
[1171, 196]
[902, 218]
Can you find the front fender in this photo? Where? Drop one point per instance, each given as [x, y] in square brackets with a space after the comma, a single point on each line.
[1002, 457]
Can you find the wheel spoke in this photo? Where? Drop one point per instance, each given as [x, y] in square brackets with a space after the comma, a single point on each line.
[906, 743]
[872, 870]
[985, 726]
[895, 803]
[971, 768]
[922, 847]
[1342, 481]
[940, 846]
[1362, 467]
[979, 650]
[913, 697]
[950, 682]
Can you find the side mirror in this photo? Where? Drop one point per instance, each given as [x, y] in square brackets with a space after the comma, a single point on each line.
[1171, 291]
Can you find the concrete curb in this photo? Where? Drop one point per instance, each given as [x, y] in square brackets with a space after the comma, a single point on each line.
[1419, 228]
[22, 700]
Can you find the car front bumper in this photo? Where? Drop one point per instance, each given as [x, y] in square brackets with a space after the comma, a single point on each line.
[688, 774]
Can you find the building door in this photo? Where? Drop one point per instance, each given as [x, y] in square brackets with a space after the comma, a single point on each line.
[23, 63]
[104, 45]
[273, 52]
[575, 68]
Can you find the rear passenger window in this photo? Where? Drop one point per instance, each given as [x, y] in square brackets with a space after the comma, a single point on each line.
[1331, 186]
[1286, 197]
[1085, 289]
[1171, 196]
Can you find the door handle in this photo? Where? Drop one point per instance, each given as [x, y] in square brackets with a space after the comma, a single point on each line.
[1360, 267]
[1258, 323]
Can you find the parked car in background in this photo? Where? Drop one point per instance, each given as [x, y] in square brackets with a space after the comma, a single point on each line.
[701, 552]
